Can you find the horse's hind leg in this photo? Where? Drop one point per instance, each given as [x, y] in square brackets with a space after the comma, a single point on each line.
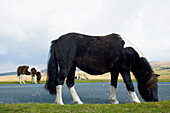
[34, 78]
[59, 82]
[22, 79]
[59, 99]
[70, 85]
[114, 77]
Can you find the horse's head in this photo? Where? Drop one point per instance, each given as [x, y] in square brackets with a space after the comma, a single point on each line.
[38, 77]
[147, 80]
[149, 89]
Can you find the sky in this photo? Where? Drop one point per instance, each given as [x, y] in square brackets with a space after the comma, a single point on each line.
[27, 27]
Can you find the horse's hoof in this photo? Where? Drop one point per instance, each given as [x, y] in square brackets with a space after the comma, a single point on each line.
[114, 102]
[78, 102]
[135, 101]
[59, 103]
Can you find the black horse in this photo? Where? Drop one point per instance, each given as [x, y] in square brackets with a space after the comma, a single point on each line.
[97, 55]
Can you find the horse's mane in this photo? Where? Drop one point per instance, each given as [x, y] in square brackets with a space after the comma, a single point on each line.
[151, 82]
[146, 73]
[141, 69]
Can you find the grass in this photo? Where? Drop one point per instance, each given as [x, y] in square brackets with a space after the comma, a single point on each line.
[163, 80]
[83, 81]
[144, 107]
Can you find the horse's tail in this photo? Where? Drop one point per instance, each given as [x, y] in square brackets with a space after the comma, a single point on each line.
[52, 70]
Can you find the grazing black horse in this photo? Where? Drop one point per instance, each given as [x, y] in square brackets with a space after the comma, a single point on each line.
[97, 55]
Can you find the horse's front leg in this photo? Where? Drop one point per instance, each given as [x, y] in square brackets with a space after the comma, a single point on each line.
[35, 79]
[114, 77]
[127, 79]
[32, 78]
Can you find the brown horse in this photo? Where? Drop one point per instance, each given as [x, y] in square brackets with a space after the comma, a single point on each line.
[29, 70]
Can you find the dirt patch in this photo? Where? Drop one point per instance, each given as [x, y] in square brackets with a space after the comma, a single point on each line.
[14, 78]
[9, 78]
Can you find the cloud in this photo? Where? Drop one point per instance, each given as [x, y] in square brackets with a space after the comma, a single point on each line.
[27, 27]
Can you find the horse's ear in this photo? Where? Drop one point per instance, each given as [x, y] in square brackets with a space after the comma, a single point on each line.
[157, 75]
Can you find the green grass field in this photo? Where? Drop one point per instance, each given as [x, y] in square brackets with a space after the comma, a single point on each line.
[144, 107]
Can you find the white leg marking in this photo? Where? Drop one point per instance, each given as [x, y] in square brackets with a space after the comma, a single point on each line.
[76, 98]
[22, 79]
[35, 80]
[134, 97]
[31, 78]
[59, 95]
[113, 95]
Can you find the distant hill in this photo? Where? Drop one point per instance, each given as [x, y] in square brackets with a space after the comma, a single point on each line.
[43, 70]
[163, 65]
[9, 73]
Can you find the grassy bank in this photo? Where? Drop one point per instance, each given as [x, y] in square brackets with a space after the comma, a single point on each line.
[155, 107]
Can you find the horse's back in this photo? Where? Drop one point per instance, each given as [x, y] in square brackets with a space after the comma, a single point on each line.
[35, 68]
[22, 69]
[92, 54]
[81, 44]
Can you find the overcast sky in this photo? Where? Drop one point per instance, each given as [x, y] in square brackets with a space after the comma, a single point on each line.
[28, 26]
